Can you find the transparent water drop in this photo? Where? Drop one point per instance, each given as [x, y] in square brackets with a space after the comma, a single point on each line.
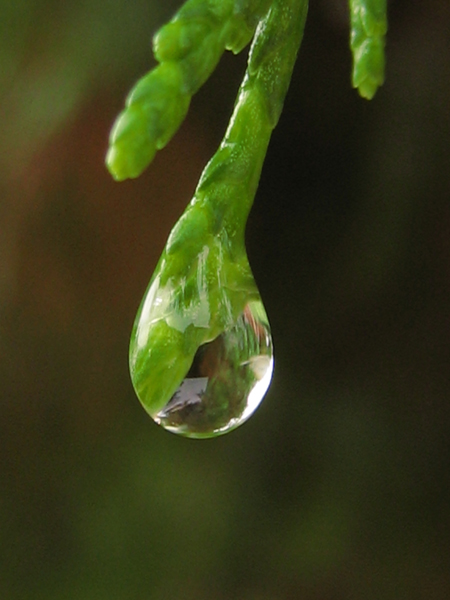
[227, 380]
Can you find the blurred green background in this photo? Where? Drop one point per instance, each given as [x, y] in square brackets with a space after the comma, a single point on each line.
[339, 487]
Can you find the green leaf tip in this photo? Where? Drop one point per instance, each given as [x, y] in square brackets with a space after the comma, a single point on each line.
[368, 21]
[188, 49]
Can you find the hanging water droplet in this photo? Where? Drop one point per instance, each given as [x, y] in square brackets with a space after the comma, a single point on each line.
[227, 379]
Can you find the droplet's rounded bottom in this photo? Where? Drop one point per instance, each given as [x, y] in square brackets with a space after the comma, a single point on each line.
[228, 378]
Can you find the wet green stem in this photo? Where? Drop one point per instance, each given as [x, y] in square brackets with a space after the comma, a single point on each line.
[203, 280]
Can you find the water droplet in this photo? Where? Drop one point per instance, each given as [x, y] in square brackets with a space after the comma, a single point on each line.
[226, 381]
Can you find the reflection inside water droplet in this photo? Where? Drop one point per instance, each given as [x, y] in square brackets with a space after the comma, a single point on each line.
[227, 379]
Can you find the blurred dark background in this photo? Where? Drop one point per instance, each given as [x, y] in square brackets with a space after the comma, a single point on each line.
[339, 487]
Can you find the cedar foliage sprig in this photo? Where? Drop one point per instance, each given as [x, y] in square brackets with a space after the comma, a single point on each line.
[203, 279]
[188, 49]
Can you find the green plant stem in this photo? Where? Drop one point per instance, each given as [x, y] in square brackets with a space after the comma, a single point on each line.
[203, 279]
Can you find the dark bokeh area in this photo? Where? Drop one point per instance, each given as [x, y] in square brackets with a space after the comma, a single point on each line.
[338, 488]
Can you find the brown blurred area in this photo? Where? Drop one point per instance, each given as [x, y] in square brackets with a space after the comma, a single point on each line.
[338, 488]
